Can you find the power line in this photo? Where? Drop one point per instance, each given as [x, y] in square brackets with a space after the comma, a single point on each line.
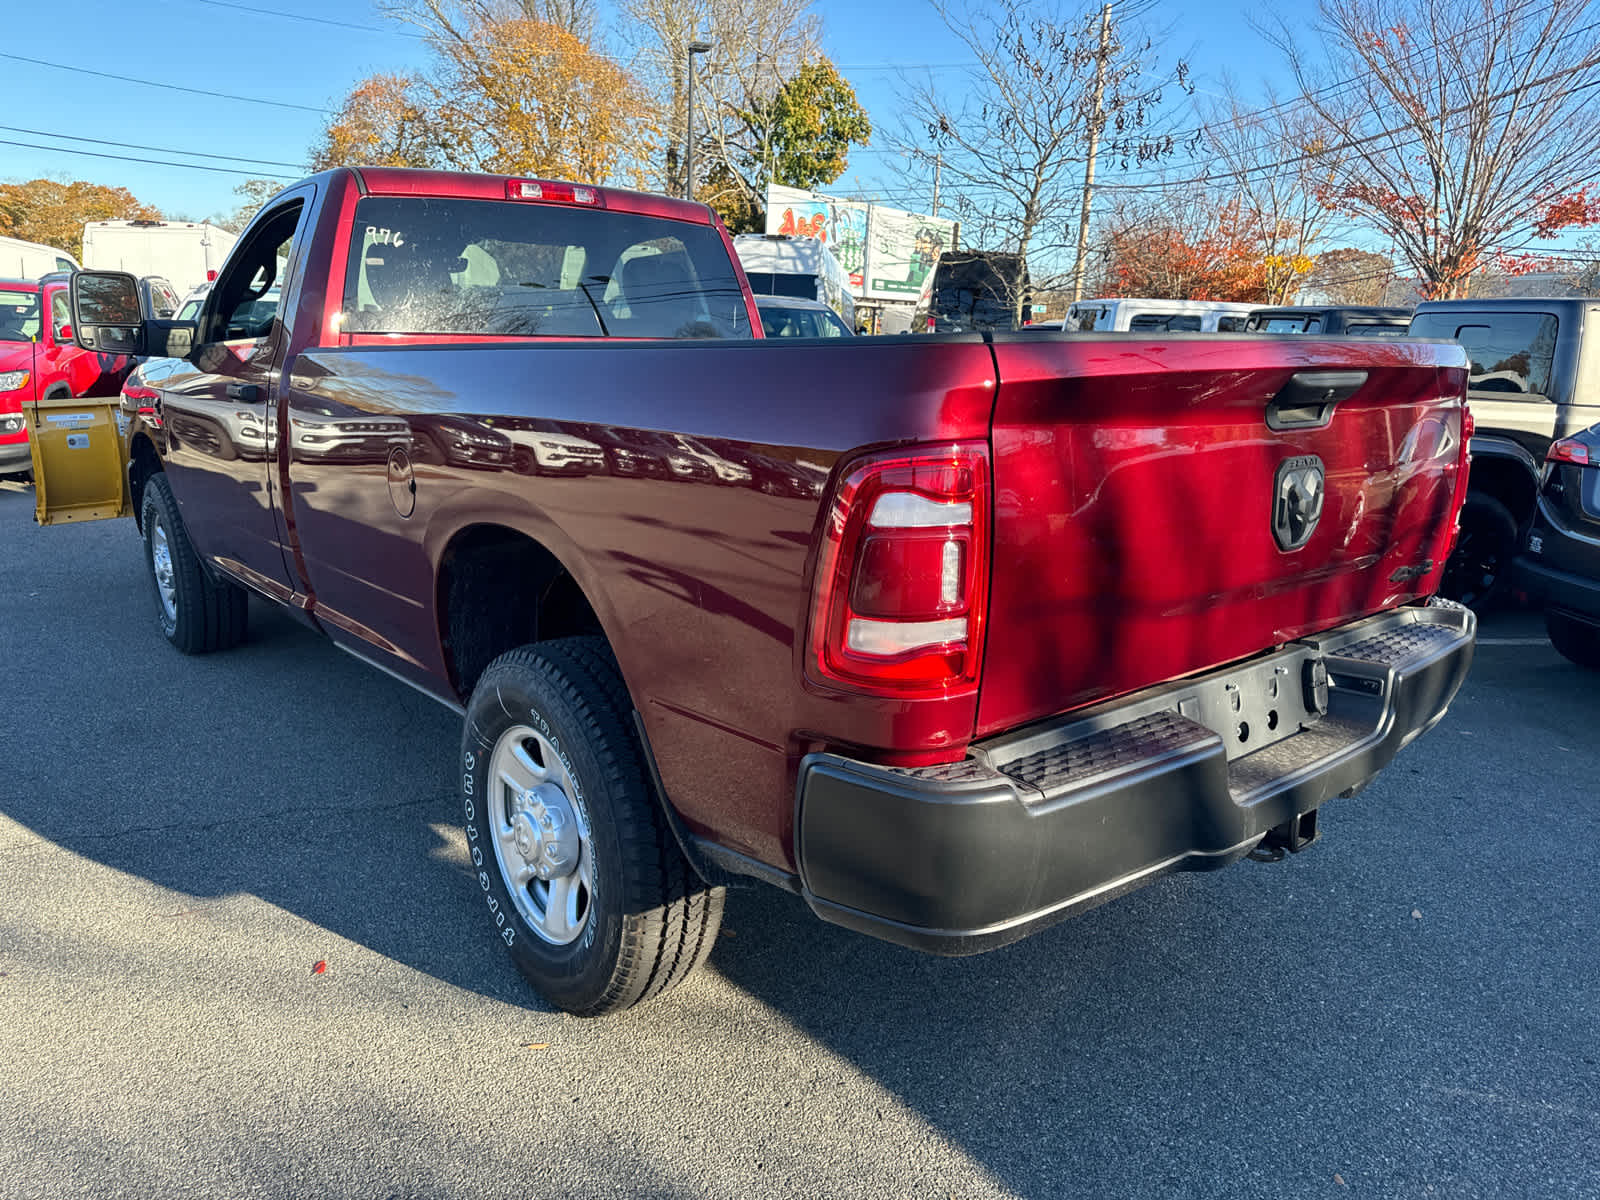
[72, 137]
[132, 158]
[289, 16]
[171, 87]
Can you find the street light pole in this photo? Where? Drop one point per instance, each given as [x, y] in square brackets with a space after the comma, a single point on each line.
[688, 149]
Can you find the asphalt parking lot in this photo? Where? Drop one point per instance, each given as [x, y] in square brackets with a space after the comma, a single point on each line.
[1407, 1009]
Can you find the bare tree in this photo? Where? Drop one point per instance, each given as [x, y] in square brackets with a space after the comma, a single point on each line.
[1348, 275]
[756, 45]
[1278, 162]
[1465, 127]
[1011, 144]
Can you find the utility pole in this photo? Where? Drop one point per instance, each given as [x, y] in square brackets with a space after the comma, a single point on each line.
[1097, 121]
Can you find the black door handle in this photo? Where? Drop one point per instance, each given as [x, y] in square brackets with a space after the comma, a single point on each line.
[244, 393]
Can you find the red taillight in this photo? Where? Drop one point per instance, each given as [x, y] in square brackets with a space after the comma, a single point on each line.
[1569, 450]
[902, 581]
[553, 193]
[1468, 425]
[211, 276]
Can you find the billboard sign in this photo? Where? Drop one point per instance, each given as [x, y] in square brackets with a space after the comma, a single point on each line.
[902, 249]
[842, 224]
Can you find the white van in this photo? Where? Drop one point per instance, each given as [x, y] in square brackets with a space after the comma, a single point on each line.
[29, 260]
[780, 265]
[185, 253]
[1157, 316]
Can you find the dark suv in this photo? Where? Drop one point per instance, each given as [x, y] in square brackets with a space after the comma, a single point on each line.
[1561, 562]
[1350, 320]
[1534, 378]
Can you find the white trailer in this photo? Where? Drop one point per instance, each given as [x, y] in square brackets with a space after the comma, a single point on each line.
[184, 253]
[29, 260]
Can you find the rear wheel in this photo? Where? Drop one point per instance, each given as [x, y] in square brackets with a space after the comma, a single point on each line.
[583, 880]
[196, 615]
[1476, 571]
[1577, 641]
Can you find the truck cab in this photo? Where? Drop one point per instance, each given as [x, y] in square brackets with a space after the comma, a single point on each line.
[39, 361]
[1534, 379]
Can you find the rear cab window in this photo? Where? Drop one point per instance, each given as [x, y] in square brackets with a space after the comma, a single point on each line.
[1511, 352]
[506, 269]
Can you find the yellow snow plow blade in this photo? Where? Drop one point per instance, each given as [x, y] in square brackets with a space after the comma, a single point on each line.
[80, 459]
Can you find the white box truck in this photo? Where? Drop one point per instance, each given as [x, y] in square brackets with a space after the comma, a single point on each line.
[184, 253]
[29, 260]
[779, 265]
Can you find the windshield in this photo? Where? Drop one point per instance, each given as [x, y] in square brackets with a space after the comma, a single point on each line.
[19, 315]
[777, 283]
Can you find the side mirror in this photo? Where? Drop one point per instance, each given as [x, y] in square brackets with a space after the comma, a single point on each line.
[105, 312]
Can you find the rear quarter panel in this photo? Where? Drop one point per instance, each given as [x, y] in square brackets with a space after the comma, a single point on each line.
[690, 533]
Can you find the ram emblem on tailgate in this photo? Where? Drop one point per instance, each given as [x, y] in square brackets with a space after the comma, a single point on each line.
[1297, 501]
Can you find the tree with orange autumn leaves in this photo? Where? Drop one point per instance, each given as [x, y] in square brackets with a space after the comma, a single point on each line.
[509, 95]
[1195, 245]
[53, 213]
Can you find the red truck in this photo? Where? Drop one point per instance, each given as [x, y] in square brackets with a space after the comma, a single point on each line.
[39, 359]
[953, 636]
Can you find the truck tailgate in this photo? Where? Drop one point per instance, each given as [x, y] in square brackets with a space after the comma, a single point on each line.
[1156, 503]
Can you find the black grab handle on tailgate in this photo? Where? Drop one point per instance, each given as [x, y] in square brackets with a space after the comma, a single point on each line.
[1307, 400]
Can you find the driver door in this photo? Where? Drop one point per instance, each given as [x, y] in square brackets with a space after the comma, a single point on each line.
[219, 406]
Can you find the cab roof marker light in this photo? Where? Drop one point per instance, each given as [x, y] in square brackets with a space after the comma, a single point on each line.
[911, 510]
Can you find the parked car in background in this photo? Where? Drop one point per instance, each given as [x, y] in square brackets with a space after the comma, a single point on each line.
[1351, 320]
[788, 317]
[779, 265]
[38, 360]
[157, 298]
[30, 260]
[973, 290]
[186, 252]
[189, 307]
[1560, 563]
[1535, 378]
[1139, 315]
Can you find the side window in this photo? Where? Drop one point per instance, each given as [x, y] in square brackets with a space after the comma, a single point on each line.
[60, 314]
[244, 303]
[1230, 324]
[1511, 353]
[1314, 325]
[66, 264]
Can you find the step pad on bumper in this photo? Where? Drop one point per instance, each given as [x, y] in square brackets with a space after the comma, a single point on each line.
[1047, 821]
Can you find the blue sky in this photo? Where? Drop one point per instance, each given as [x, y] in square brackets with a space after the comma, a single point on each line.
[212, 46]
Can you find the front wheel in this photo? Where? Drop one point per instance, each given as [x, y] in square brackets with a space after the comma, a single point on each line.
[1576, 641]
[582, 878]
[196, 615]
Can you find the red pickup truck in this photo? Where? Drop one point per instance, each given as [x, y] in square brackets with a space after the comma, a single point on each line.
[38, 358]
[953, 636]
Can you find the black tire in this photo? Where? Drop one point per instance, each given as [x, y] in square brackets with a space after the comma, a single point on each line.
[199, 616]
[1477, 569]
[1576, 640]
[648, 919]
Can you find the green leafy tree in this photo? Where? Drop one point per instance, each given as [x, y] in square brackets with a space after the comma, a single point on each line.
[253, 193]
[804, 132]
